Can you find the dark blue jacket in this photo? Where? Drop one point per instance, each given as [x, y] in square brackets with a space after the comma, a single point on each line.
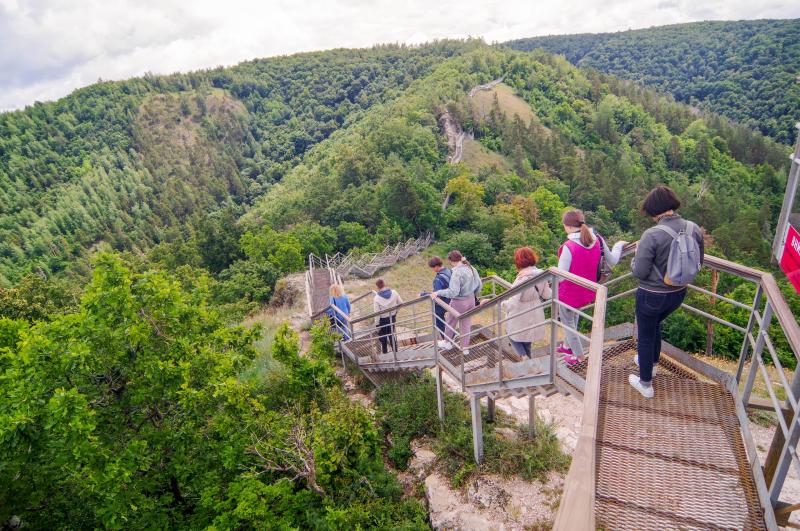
[442, 281]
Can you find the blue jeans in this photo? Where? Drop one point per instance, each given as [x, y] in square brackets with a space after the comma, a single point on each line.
[522, 348]
[651, 310]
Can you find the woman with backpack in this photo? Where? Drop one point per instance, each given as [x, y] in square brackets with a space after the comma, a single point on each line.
[581, 255]
[463, 291]
[519, 308]
[667, 258]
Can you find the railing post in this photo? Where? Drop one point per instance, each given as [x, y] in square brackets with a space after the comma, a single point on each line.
[758, 348]
[750, 323]
[710, 324]
[499, 343]
[553, 327]
[489, 409]
[775, 475]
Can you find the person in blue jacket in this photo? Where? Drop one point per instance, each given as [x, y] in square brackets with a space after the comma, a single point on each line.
[340, 300]
[441, 280]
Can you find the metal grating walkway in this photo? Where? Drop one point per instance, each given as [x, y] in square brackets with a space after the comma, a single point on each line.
[676, 461]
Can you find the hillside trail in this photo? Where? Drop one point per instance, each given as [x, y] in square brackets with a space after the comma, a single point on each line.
[455, 134]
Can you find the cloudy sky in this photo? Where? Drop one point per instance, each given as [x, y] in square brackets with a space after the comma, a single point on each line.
[50, 47]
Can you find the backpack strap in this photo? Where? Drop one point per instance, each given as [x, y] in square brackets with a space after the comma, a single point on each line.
[667, 230]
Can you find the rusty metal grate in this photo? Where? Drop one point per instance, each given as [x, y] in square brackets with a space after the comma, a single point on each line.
[676, 461]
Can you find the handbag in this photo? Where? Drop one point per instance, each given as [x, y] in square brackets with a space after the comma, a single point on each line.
[603, 269]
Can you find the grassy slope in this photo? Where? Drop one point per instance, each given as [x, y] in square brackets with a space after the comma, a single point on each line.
[509, 102]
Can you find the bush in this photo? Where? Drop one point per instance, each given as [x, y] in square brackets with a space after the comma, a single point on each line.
[408, 411]
[474, 246]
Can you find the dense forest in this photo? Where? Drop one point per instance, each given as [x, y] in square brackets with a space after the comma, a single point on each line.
[129, 164]
[142, 220]
[745, 70]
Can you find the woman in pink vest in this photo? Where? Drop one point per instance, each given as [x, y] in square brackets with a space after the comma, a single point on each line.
[580, 255]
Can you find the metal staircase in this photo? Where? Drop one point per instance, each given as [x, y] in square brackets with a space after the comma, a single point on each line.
[685, 459]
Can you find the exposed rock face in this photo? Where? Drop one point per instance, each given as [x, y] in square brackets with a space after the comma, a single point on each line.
[487, 502]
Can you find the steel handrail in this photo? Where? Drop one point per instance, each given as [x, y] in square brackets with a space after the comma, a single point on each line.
[581, 477]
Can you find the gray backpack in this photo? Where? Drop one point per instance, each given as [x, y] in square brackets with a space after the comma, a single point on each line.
[683, 262]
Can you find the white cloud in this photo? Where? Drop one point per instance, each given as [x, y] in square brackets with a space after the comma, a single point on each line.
[50, 47]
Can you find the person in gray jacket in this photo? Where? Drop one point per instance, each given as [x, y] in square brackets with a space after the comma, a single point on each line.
[463, 291]
[655, 298]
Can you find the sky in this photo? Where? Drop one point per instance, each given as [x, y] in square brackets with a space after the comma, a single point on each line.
[48, 48]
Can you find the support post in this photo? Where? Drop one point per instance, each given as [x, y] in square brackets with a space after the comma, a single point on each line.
[477, 427]
[750, 323]
[776, 465]
[439, 392]
[489, 409]
[532, 415]
[779, 457]
[758, 348]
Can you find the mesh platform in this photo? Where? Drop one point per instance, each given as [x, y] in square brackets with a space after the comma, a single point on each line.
[484, 356]
[676, 461]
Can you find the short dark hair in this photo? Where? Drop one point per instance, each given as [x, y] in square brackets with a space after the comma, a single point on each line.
[659, 200]
[434, 261]
[380, 283]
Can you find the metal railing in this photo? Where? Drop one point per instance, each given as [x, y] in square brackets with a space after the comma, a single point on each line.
[366, 265]
[757, 336]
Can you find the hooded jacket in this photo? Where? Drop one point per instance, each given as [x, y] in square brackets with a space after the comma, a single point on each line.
[385, 299]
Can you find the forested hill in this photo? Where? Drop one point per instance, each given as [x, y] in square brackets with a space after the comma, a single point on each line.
[744, 70]
[130, 402]
[132, 163]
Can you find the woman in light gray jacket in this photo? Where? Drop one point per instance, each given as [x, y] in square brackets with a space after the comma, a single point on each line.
[519, 308]
[463, 291]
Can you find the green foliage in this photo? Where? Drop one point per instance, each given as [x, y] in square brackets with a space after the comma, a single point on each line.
[744, 70]
[35, 298]
[130, 413]
[307, 376]
[107, 417]
[475, 246]
[134, 163]
[408, 411]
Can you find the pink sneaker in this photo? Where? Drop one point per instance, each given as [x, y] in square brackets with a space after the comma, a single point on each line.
[563, 350]
[571, 360]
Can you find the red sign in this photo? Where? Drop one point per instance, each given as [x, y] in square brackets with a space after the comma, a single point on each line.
[790, 261]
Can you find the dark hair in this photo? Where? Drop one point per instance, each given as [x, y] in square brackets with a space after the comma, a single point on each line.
[434, 261]
[380, 283]
[575, 218]
[659, 200]
[455, 256]
[525, 257]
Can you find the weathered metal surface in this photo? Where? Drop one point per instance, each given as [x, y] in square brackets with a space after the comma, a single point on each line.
[674, 461]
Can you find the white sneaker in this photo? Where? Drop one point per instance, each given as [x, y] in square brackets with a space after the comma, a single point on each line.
[636, 360]
[646, 391]
[443, 345]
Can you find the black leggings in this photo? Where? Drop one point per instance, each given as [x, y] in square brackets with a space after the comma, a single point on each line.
[651, 310]
[386, 333]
